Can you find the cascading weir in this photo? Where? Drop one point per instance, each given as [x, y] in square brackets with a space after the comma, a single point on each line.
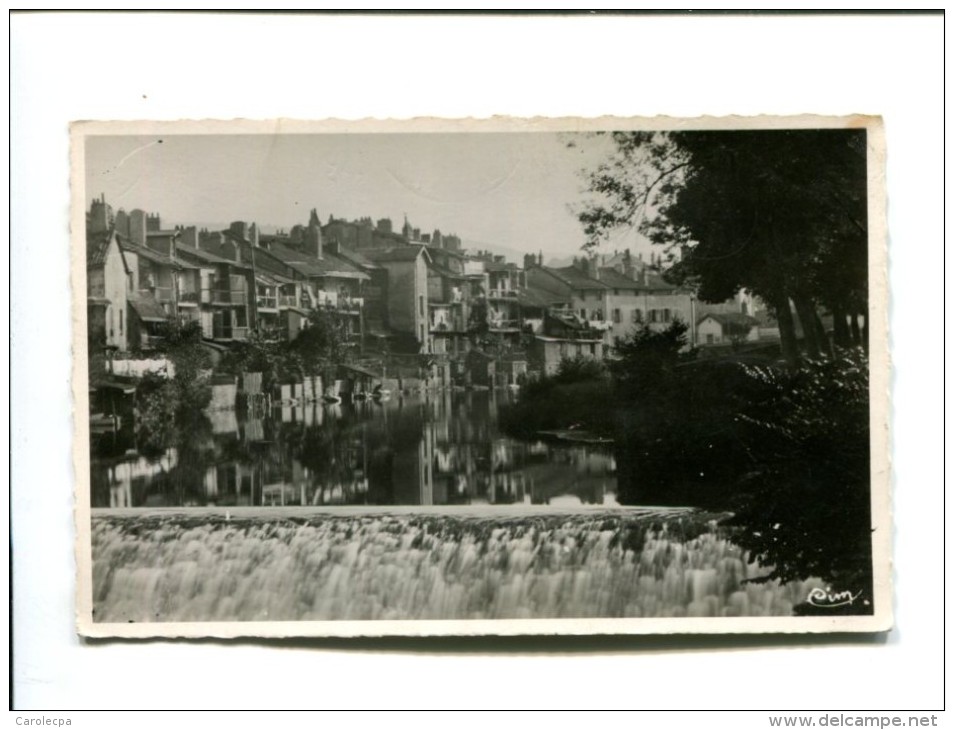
[624, 563]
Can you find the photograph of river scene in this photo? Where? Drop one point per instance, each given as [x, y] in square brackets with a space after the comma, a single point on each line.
[477, 375]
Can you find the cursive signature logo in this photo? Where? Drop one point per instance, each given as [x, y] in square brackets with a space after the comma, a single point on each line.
[825, 598]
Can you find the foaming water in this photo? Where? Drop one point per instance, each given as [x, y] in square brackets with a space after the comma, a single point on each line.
[642, 563]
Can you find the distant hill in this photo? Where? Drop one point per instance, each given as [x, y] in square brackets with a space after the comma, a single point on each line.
[513, 254]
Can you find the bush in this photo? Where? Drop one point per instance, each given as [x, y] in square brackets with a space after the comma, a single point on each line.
[805, 503]
[578, 396]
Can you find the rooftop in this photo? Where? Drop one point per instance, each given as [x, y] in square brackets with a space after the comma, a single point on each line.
[97, 248]
[731, 318]
[311, 266]
[400, 253]
[205, 256]
[575, 278]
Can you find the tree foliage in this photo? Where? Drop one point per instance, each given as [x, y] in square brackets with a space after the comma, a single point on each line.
[804, 502]
[781, 213]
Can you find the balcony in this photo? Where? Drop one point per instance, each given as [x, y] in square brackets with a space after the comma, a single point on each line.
[188, 298]
[327, 299]
[350, 304]
[501, 294]
[228, 332]
[223, 296]
[447, 326]
[161, 293]
[289, 300]
[267, 303]
[504, 325]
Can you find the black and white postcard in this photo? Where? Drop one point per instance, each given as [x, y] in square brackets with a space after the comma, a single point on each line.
[455, 377]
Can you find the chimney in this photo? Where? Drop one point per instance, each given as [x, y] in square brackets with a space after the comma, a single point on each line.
[240, 229]
[253, 235]
[190, 237]
[313, 242]
[100, 216]
[122, 223]
[595, 267]
[152, 222]
[629, 271]
[529, 260]
[437, 239]
[645, 276]
[385, 225]
[137, 227]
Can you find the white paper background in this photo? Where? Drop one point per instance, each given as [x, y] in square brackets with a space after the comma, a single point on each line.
[168, 66]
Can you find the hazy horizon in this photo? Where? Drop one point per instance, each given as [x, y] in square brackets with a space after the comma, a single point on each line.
[510, 192]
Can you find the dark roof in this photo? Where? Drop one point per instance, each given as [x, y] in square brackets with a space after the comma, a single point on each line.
[445, 272]
[731, 318]
[529, 296]
[654, 281]
[401, 253]
[575, 278]
[431, 249]
[97, 248]
[148, 309]
[147, 253]
[356, 258]
[611, 277]
[206, 257]
[305, 263]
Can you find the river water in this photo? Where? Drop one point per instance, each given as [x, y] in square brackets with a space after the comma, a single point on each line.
[417, 507]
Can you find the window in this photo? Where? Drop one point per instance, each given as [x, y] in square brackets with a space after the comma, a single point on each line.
[583, 313]
[637, 316]
[652, 315]
[420, 304]
[121, 313]
[667, 315]
[617, 318]
[710, 339]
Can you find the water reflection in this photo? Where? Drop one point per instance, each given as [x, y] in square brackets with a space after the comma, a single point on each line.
[433, 449]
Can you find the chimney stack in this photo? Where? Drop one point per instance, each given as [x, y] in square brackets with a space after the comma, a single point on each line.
[137, 227]
[240, 229]
[100, 216]
[190, 237]
[313, 242]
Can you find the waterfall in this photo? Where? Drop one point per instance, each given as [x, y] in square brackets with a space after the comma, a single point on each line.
[634, 563]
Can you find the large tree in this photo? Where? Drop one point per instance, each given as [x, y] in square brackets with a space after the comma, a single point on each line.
[781, 213]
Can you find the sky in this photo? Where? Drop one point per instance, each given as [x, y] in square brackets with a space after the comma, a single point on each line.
[510, 192]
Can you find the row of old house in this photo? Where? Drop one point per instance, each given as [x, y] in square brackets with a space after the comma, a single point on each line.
[395, 291]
